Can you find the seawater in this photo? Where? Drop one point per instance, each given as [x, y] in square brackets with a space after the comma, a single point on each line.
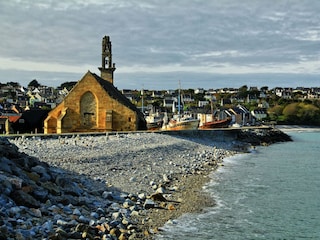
[271, 193]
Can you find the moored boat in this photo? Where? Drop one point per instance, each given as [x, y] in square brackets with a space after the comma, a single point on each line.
[154, 121]
[216, 124]
[181, 123]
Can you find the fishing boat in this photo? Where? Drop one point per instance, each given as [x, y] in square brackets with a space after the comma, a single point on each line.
[180, 121]
[154, 121]
[216, 124]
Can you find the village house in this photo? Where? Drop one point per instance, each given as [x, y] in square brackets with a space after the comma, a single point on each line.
[283, 92]
[157, 94]
[199, 91]
[240, 115]
[95, 105]
[259, 114]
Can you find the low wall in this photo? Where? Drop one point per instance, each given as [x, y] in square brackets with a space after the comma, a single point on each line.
[221, 135]
[252, 135]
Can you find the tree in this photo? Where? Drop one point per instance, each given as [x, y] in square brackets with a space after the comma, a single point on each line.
[67, 85]
[275, 112]
[34, 83]
[243, 92]
[301, 113]
[13, 84]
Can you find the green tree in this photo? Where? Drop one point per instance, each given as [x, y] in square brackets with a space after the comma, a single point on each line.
[243, 92]
[13, 84]
[34, 83]
[301, 113]
[275, 112]
[67, 85]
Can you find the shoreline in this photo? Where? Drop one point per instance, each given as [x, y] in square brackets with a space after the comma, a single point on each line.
[133, 171]
[190, 197]
[297, 128]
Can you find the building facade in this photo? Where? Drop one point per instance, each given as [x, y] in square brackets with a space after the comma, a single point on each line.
[95, 105]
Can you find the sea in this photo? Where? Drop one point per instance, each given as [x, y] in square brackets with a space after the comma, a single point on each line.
[271, 193]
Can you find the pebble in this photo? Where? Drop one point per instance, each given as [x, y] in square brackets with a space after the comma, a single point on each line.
[82, 183]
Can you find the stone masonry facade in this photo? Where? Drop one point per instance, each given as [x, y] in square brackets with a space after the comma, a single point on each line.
[95, 105]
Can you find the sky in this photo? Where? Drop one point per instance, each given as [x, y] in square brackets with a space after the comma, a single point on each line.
[158, 43]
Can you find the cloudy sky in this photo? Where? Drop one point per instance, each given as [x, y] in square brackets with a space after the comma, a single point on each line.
[157, 43]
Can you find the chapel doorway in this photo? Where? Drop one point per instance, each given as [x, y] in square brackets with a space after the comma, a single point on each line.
[88, 111]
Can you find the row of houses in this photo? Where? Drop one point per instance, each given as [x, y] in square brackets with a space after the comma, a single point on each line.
[95, 104]
[25, 109]
[49, 97]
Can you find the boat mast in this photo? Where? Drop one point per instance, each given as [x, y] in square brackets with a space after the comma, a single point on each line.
[179, 99]
[212, 107]
[142, 94]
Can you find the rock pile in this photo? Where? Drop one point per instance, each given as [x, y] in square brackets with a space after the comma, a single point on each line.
[101, 187]
[42, 202]
[259, 137]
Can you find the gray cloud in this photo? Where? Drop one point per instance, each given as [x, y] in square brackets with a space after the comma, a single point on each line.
[244, 36]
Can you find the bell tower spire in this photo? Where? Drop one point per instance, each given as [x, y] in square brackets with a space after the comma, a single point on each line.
[108, 67]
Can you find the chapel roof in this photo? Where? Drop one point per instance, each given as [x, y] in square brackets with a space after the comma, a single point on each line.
[116, 94]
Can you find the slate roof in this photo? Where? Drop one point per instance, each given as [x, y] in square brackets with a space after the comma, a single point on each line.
[116, 94]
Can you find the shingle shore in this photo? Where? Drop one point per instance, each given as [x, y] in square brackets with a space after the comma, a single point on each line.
[131, 162]
[114, 187]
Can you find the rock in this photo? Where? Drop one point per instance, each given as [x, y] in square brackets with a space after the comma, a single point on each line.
[165, 178]
[160, 190]
[40, 193]
[33, 176]
[35, 212]
[6, 187]
[107, 195]
[24, 199]
[142, 196]
[158, 197]
[15, 181]
[94, 215]
[115, 232]
[76, 211]
[134, 213]
[42, 171]
[69, 186]
[149, 204]
[171, 207]
[47, 227]
[52, 188]
[83, 219]
[116, 216]
[127, 203]
[61, 222]
[5, 165]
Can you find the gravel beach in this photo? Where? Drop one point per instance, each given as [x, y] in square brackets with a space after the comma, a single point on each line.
[145, 164]
[133, 163]
[111, 186]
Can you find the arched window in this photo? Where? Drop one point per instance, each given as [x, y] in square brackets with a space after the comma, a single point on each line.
[88, 110]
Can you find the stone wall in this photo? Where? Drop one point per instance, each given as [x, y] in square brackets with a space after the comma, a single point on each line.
[87, 107]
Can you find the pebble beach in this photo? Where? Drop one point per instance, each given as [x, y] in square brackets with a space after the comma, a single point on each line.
[120, 186]
[134, 163]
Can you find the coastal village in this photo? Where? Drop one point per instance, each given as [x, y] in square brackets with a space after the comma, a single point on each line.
[119, 186]
[94, 104]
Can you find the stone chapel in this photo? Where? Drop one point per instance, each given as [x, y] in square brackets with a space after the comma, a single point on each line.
[95, 105]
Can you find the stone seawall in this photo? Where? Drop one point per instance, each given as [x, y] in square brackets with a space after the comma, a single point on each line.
[253, 135]
[250, 135]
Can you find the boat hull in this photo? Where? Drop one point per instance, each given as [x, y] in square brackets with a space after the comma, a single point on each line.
[154, 125]
[182, 125]
[216, 124]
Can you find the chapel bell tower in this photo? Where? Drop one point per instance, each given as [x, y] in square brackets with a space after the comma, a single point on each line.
[108, 67]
